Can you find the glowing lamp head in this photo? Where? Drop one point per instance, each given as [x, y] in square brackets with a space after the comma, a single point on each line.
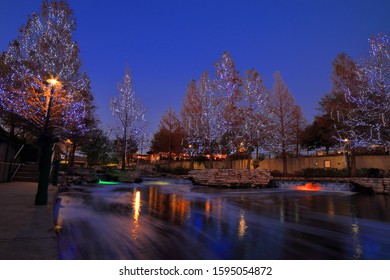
[52, 81]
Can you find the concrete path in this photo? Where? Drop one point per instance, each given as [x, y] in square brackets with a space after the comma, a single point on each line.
[26, 230]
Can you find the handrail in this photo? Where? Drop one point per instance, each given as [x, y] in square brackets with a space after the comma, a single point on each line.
[16, 170]
[18, 152]
[52, 157]
[10, 175]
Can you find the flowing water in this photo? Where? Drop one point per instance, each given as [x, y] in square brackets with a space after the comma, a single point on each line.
[172, 219]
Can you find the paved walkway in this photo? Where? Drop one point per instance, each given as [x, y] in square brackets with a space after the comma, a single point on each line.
[26, 230]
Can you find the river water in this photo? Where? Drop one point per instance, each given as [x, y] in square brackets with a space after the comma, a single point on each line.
[172, 219]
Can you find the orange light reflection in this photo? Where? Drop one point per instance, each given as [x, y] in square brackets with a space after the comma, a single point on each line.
[308, 187]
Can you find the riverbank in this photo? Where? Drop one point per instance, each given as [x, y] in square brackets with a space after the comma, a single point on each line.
[230, 178]
[27, 230]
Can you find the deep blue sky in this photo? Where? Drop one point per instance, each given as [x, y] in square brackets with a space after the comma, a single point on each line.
[168, 43]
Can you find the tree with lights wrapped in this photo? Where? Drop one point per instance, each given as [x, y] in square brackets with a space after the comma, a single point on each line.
[210, 118]
[369, 119]
[191, 117]
[44, 85]
[200, 118]
[227, 85]
[364, 86]
[255, 112]
[130, 116]
[362, 116]
[45, 50]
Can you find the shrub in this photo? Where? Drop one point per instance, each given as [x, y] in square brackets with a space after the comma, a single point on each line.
[370, 173]
[276, 173]
[256, 161]
[200, 159]
[323, 172]
[174, 171]
[180, 171]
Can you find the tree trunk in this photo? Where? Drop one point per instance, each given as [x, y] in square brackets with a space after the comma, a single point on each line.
[11, 130]
[248, 166]
[284, 156]
[169, 149]
[6, 151]
[211, 161]
[211, 158]
[227, 162]
[353, 162]
[124, 152]
[71, 156]
[123, 167]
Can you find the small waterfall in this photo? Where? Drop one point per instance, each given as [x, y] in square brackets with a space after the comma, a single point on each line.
[314, 186]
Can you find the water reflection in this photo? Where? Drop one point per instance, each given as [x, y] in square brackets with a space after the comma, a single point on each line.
[174, 220]
[136, 213]
[242, 225]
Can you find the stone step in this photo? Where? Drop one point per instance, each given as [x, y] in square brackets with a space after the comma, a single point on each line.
[27, 173]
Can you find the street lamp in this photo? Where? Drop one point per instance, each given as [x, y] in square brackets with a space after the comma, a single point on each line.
[46, 152]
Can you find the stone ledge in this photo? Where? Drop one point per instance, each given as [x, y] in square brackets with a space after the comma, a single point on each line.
[231, 177]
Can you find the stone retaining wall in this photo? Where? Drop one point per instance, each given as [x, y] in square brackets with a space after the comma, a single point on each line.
[231, 177]
[377, 185]
[262, 178]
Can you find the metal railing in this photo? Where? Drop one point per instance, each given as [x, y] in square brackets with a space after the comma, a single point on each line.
[12, 173]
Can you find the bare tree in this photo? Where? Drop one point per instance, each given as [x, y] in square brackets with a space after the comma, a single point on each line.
[169, 138]
[284, 110]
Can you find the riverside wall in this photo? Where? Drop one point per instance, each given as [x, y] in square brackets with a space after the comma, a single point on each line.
[296, 164]
[375, 185]
[262, 178]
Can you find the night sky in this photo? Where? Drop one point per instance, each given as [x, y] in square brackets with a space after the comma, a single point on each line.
[167, 43]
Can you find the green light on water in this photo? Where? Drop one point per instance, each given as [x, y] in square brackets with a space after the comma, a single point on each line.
[107, 183]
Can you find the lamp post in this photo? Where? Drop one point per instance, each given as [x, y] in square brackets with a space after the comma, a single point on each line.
[46, 152]
[68, 143]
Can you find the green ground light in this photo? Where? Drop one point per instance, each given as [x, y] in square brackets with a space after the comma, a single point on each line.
[107, 183]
